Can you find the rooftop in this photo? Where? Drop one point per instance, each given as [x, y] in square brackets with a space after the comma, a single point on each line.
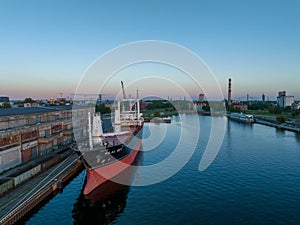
[32, 110]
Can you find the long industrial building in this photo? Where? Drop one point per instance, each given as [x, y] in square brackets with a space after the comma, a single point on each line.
[29, 133]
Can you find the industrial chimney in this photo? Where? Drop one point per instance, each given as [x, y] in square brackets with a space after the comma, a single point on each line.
[229, 92]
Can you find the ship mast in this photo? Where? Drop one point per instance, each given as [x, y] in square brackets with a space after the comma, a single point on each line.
[138, 106]
[90, 131]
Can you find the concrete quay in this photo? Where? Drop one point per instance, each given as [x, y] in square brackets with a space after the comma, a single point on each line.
[277, 125]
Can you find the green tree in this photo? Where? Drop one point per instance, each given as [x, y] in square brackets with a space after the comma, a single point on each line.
[6, 105]
[156, 114]
[102, 109]
[276, 110]
[28, 100]
[295, 112]
[206, 107]
[259, 105]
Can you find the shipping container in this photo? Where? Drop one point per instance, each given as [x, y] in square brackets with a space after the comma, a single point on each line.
[26, 175]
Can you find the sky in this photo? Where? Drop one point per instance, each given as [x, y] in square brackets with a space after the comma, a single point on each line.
[46, 47]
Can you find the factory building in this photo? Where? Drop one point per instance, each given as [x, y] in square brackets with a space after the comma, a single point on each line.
[283, 100]
[4, 99]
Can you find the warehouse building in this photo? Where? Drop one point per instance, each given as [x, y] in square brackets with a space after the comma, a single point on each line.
[29, 133]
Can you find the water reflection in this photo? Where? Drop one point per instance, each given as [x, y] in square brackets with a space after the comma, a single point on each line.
[280, 133]
[297, 137]
[228, 139]
[111, 203]
[243, 125]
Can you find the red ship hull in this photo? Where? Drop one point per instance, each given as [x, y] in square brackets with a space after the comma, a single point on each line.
[97, 177]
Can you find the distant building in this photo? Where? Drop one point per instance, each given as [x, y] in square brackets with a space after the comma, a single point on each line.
[4, 99]
[283, 100]
[30, 104]
[296, 105]
[263, 97]
[242, 107]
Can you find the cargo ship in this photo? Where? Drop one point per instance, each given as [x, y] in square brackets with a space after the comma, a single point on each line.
[109, 154]
[241, 117]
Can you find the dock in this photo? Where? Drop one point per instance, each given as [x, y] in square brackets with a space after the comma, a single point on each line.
[273, 123]
[18, 202]
[278, 125]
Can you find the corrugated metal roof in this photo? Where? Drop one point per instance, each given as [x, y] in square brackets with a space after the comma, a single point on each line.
[32, 110]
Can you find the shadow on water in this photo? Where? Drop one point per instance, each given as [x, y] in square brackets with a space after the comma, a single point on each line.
[107, 202]
[280, 133]
[245, 126]
[103, 211]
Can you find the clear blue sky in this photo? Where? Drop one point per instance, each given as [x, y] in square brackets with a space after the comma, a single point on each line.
[46, 46]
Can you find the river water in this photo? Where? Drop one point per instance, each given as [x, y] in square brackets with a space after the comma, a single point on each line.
[254, 179]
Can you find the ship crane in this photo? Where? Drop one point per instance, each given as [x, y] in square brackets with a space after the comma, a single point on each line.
[124, 95]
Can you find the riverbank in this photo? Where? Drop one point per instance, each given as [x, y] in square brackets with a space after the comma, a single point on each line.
[277, 125]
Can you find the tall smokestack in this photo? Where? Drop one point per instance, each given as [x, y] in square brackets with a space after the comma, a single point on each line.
[229, 92]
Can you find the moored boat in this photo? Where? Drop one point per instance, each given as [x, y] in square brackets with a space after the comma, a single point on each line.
[106, 155]
[241, 117]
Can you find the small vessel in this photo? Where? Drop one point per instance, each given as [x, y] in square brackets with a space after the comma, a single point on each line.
[158, 120]
[241, 117]
[108, 154]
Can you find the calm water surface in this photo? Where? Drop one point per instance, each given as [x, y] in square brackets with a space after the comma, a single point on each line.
[255, 179]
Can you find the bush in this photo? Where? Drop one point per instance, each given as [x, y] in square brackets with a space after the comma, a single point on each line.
[156, 114]
[280, 119]
[276, 110]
